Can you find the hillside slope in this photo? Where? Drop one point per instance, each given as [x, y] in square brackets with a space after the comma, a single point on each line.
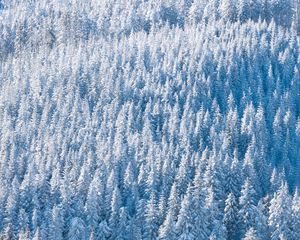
[149, 120]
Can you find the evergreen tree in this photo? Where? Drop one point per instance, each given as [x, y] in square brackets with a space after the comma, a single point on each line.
[227, 10]
[24, 234]
[251, 235]
[295, 215]
[280, 214]
[151, 219]
[103, 231]
[56, 225]
[7, 232]
[230, 219]
[199, 213]
[184, 224]
[93, 209]
[167, 229]
[115, 210]
[37, 235]
[248, 210]
[233, 179]
[143, 119]
[77, 229]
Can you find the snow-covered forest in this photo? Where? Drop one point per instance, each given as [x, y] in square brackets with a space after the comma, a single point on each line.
[149, 119]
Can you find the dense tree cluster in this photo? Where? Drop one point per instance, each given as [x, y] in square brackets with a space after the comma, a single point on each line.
[149, 120]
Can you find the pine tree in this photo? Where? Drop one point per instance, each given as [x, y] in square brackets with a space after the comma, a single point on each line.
[123, 229]
[115, 210]
[296, 215]
[37, 235]
[24, 234]
[56, 225]
[12, 203]
[102, 231]
[93, 209]
[280, 214]
[77, 229]
[200, 213]
[278, 137]
[23, 224]
[130, 190]
[218, 231]
[251, 235]
[227, 10]
[262, 219]
[233, 179]
[151, 219]
[167, 229]
[242, 9]
[184, 224]
[143, 119]
[7, 232]
[230, 220]
[247, 126]
[248, 210]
